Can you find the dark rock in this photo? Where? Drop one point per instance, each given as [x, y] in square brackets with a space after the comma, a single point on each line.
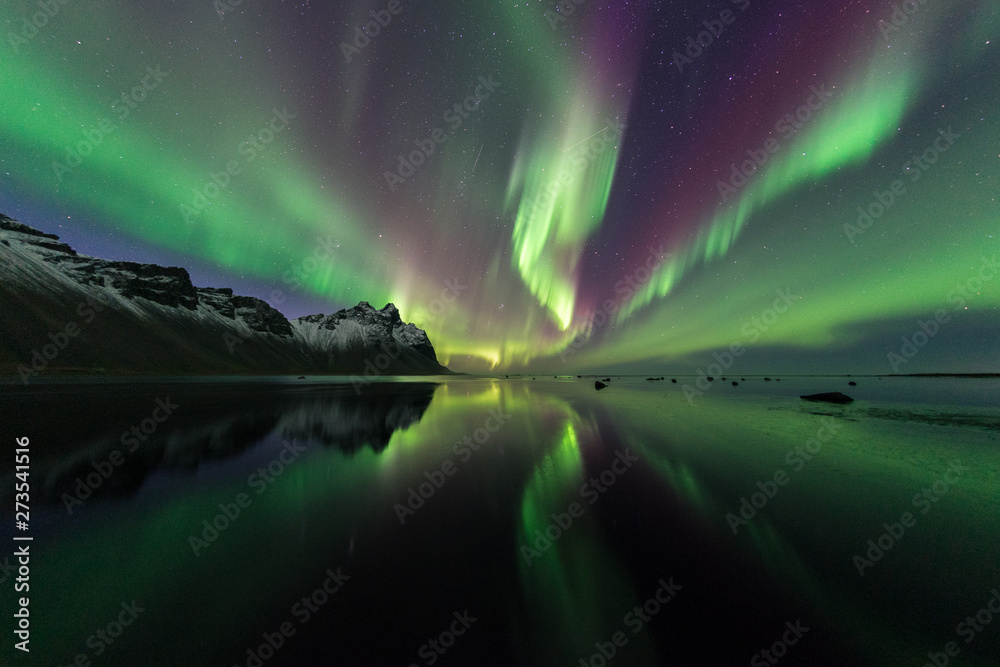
[57, 246]
[711, 379]
[767, 379]
[853, 384]
[735, 383]
[674, 380]
[598, 385]
[166, 285]
[13, 225]
[33, 237]
[260, 316]
[829, 397]
[219, 299]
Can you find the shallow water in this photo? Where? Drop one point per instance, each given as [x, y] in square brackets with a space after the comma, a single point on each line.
[469, 521]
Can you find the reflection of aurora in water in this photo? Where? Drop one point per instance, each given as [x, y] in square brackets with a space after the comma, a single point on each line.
[663, 518]
[579, 585]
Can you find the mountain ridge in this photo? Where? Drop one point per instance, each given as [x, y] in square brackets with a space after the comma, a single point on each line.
[66, 312]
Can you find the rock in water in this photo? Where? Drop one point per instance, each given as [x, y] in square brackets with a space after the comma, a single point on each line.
[598, 385]
[829, 397]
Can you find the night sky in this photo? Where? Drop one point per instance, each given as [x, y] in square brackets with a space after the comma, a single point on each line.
[540, 190]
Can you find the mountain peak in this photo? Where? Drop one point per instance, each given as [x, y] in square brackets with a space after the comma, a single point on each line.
[369, 328]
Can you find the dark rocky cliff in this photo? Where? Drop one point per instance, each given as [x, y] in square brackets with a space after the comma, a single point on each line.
[66, 312]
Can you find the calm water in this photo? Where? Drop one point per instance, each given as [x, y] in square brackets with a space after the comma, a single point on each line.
[507, 522]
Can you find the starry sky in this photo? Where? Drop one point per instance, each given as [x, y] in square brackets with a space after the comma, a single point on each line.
[780, 186]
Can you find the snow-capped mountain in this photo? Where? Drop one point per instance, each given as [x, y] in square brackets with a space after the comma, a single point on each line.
[65, 312]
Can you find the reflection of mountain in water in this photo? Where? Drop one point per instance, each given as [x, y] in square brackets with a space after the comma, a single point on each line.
[212, 423]
[352, 422]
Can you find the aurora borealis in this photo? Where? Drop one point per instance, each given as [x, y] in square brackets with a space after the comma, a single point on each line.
[612, 186]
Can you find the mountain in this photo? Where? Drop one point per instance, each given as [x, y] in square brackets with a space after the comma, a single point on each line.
[62, 312]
